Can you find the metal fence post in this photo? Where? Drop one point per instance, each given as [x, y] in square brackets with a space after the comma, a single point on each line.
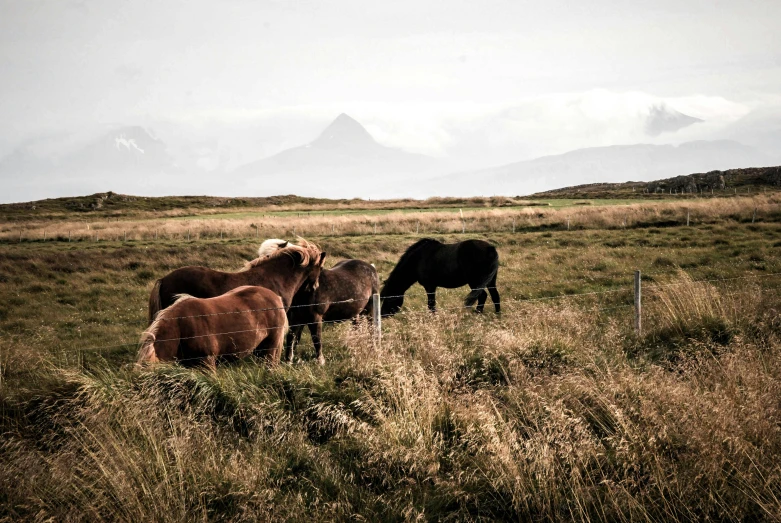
[377, 319]
[638, 304]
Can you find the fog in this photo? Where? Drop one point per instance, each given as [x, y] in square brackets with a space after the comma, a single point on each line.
[172, 97]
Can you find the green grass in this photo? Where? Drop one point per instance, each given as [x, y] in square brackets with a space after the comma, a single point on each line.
[555, 410]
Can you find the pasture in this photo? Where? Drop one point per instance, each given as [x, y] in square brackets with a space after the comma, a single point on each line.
[555, 410]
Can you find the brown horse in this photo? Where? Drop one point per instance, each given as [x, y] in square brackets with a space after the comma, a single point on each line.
[282, 267]
[343, 293]
[196, 331]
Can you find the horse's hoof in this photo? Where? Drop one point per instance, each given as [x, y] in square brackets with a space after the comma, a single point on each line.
[320, 360]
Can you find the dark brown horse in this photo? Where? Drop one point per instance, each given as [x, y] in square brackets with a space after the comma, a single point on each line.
[284, 269]
[197, 331]
[344, 292]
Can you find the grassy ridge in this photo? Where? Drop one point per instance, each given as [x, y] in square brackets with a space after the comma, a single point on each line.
[555, 410]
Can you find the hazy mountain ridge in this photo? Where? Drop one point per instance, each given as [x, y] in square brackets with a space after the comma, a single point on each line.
[344, 160]
[614, 163]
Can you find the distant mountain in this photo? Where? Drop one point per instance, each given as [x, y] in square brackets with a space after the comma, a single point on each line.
[122, 158]
[344, 161]
[124, 150]
[616, 163]
[663, 119]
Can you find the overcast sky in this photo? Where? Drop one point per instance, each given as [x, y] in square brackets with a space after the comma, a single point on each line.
[418, 74]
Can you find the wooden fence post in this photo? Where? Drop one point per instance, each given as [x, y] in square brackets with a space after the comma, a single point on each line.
[638, 304]
[20, 235]
[44, 235]
[754, 216]
[377, 319]
[124, 236]
[567, 223]
[687, 217]
[513, 224]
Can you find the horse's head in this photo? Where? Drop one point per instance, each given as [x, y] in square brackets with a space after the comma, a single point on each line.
[391, 304]
[312, 281]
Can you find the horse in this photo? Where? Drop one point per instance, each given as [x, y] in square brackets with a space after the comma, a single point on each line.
[280, 266]
[199, 331]
[344, 292]
[435, 264]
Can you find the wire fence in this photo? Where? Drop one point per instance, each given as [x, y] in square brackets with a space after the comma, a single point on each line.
[410, 312]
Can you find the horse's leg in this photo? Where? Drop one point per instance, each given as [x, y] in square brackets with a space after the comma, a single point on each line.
[431, 293]
[316, 330]
[494, 295]
[481, 301]
[292, 339]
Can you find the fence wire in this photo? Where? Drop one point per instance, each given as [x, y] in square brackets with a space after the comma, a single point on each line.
[403, 313]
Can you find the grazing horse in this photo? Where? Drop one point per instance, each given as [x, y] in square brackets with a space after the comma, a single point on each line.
[344, 292]
[435, 264]
[199, 331]
[281, 267]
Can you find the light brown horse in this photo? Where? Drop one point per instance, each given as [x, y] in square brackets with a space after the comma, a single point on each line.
[281, 267]
[197, 331]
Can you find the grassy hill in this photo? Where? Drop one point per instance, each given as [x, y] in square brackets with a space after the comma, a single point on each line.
[715, 183]
[113, 205]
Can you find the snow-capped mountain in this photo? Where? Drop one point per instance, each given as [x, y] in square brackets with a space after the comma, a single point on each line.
[663, 119]
[122, 159]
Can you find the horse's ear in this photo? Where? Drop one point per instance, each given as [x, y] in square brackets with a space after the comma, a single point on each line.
[322, 258]
[283, 245]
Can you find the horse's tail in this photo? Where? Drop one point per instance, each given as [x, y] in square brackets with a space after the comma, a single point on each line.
[472, 297]
[146, 353]
[154, 302]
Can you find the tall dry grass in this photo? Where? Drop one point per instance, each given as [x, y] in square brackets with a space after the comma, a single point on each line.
[761, 207]
[550, 412]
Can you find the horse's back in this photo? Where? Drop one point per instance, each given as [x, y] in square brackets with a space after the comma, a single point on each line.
[351, 282]
[197, 281]
[217, 326]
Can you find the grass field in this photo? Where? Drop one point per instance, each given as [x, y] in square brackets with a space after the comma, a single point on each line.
[555, 410]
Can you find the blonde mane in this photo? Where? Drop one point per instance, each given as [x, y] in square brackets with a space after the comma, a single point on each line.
[146, 351]
[308, 250]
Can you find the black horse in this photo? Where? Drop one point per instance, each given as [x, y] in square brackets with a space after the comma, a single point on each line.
[435, 264]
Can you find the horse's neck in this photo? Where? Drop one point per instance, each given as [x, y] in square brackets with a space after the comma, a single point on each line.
[280, 276]
[402, 277]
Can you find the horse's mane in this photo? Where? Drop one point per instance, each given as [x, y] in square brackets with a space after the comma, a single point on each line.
[412, 250]
[146, 351]
[308, 250]
[270, 246]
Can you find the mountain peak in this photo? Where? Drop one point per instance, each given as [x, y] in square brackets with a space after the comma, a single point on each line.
[663, 119]
[344, 130]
